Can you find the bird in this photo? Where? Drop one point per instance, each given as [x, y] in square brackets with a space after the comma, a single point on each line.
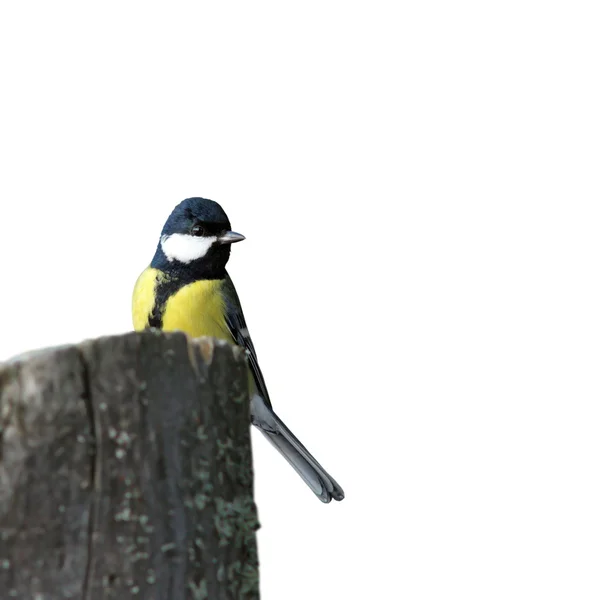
[187, 288]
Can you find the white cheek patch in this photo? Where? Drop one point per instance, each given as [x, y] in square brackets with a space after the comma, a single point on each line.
[185, 248]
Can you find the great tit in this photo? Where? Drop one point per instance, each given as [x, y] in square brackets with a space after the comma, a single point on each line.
[187, 288]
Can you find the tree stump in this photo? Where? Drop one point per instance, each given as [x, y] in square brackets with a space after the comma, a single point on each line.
[126, 472]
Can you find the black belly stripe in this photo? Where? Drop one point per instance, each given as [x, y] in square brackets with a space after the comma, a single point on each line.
[174, 277]
[165, 288]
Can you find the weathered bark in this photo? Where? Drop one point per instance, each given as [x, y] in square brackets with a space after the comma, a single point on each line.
[126, 472]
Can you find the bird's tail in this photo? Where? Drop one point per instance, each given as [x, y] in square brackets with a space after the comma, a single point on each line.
[303, 462]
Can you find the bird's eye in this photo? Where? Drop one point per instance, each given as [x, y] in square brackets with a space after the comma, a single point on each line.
[197, 230]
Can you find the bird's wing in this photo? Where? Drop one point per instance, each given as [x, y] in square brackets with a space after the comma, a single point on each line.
[234, 317]
[275, 430]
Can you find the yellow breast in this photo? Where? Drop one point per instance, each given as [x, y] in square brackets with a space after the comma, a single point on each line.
[143, 297]
[197, 308]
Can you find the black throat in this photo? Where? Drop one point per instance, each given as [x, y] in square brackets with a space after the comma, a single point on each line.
[175, 275]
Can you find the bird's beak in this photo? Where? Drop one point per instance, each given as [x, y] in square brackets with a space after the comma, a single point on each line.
[230, 237]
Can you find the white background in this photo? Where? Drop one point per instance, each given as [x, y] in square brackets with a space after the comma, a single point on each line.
[418, 184]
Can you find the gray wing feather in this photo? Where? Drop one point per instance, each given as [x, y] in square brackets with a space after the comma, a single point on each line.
[263, 417]
[234, 317]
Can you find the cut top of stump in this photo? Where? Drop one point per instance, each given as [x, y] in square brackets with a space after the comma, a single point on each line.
[126, 471]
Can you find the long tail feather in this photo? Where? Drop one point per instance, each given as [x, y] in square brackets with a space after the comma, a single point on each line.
[290, 447]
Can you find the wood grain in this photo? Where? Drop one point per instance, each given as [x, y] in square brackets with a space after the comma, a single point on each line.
[126, 472]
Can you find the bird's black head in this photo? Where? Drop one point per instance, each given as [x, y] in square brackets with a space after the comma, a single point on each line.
[195, 241]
